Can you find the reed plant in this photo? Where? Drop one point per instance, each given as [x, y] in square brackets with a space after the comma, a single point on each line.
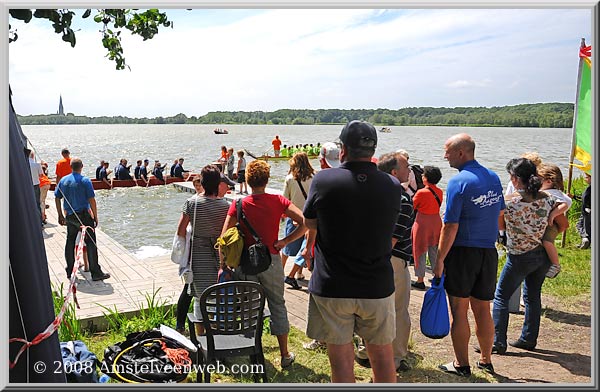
[153, 312]
[70, 327]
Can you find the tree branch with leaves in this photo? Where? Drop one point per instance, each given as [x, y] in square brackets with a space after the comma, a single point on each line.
[143, 23]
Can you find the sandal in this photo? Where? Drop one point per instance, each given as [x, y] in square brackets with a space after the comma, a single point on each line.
[486, 367]
[463, 371]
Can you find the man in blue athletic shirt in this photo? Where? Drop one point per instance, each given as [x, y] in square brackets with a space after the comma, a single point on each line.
[353, 209]
[467, 251]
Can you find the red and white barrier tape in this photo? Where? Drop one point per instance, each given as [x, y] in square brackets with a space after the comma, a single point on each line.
[72, 292]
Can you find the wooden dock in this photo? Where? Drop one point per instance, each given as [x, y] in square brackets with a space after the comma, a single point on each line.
[132, 279]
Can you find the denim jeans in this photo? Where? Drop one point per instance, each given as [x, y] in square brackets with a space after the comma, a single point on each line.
[531, 266]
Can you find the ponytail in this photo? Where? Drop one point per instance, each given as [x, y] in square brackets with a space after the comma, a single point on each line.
[534, 184]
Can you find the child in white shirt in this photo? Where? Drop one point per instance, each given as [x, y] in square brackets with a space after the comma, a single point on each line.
[552, 183]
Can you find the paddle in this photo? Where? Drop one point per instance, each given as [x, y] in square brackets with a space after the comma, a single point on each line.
[249, 153]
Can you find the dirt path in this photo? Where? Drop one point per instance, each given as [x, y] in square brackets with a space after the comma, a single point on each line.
[563, 353]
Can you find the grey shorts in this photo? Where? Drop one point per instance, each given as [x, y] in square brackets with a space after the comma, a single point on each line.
[335, 320]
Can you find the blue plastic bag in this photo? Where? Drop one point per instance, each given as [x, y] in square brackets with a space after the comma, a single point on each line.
[435, 320]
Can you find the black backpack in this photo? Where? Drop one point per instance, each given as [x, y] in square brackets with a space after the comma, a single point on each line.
[418, 170]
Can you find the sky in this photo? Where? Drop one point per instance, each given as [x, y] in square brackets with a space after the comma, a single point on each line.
[269, 59]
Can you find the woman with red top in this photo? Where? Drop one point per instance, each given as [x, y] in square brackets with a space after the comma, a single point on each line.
[263, 212]
[428, 224]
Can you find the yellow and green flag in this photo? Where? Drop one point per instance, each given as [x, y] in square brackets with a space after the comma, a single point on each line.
[582, 122]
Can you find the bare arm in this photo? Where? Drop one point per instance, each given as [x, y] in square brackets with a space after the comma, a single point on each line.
[94, 208]
[182, 226]
[447, 237]
[61, 217]
[501, 221]
[296, 215]
[230, 221]
[559, 209]
[311, 225]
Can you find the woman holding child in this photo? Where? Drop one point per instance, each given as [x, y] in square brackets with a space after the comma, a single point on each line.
[525, 220]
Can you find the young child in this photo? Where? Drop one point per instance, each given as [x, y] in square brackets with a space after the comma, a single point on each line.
[584, 225]
[552, 183]
[241, 172]
[230, 163]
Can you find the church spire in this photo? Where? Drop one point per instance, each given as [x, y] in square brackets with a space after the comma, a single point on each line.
[61, 111]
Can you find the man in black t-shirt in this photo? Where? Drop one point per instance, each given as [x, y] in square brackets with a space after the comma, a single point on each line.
[352, 212]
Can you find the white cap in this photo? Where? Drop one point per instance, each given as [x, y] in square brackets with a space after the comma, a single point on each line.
[331, 153]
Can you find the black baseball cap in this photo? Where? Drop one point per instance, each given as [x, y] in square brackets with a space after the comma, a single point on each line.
[359, 134]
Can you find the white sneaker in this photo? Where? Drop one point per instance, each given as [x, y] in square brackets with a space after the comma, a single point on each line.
[314, 345]
[287, 361]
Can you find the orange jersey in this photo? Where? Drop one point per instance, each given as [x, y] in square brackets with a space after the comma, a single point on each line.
[276, 144]
[63, 167]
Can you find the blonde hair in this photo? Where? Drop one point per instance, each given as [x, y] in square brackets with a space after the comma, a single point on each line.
[300, 167]
[548, 171]
[257, 173]
[533, 157]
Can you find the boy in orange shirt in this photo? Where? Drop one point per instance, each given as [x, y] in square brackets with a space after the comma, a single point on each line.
[63, 167]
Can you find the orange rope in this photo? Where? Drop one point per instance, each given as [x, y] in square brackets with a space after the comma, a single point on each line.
[179, 356]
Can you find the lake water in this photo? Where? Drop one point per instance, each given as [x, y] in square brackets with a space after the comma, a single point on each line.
[144, 220]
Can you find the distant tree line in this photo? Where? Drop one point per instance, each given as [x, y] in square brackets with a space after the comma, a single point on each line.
[542, 115]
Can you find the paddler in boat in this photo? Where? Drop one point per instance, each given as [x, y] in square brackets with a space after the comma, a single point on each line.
[158, 171]
[122, 172]
[144, 171]
[103, 174]
[179, 170]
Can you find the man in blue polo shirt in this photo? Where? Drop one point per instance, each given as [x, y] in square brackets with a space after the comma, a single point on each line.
[467, 251]
[79, 198]
[353, 209]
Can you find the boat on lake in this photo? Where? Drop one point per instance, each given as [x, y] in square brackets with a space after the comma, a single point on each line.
[385, 130]
[266, 157]
[220, 131]
[152, 181]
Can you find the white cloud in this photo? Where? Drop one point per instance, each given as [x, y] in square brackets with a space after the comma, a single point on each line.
[305, 58]
[469, 83]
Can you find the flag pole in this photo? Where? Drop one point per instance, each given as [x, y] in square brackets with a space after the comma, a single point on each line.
[573, 139]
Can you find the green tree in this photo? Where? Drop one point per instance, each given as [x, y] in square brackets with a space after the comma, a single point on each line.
[113, 21]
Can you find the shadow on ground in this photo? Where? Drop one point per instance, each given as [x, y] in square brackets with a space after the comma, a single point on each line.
[577, 364]
[581, 320]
